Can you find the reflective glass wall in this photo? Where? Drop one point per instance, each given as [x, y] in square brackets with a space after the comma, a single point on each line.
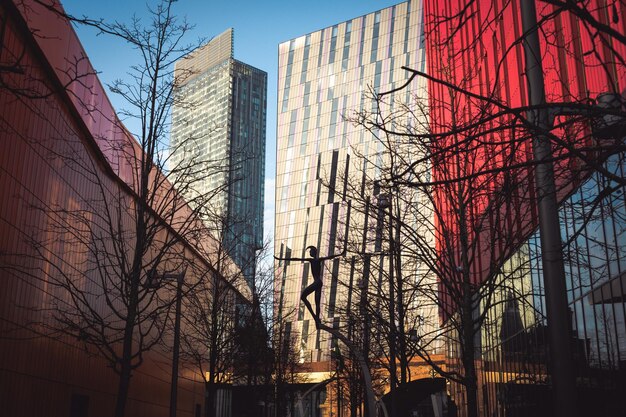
[514, 341]
[326, 77]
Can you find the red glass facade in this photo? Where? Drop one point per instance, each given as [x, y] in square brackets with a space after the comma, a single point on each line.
[53, 105]
[477, 95]
[476, 61]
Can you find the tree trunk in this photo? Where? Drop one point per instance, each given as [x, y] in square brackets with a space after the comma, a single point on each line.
[277, 402]
[127, 347]
[472, 398]
[209, 404]
[133, 302]
[122, 393]
[469, 364]
[125, 374]
[467, 329]
[355, 386]
[404, 362]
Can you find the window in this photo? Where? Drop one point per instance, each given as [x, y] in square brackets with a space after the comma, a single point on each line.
[333, 45]
[375, 33]
[346, 46]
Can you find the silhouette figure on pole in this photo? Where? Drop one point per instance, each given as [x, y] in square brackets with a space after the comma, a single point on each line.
[316, 270]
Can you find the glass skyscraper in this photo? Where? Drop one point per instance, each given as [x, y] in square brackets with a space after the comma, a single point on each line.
[324, 78]
[219, 118]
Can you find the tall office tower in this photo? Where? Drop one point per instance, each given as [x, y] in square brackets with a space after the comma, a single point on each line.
[219, 119]
[325, 76]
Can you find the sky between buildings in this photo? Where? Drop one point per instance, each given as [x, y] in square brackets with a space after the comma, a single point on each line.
[260, 25]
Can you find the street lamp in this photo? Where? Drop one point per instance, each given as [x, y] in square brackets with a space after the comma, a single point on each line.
[362, 284]
[607, 125]
[561, 358]
[414, 338]
[384, 202]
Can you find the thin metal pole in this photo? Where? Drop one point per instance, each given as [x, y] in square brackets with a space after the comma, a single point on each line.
[559, 326]
[366, 342]
[392, 318]
[176, 348]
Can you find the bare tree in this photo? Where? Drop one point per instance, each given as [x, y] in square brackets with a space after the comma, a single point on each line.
[253, 332]
[18, 74]
[218, 322]
[440, 238]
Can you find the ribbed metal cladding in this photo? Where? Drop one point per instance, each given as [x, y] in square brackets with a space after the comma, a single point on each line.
[51, 150]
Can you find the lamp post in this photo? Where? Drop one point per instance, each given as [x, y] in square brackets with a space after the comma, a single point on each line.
[384, 202]
[362, 284]
[561, 360]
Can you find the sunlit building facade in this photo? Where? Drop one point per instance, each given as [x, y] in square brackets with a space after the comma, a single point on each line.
[326, 78]
[219, 121]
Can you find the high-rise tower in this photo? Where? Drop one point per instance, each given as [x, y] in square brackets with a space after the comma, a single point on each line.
[219, 119]
[324, 77]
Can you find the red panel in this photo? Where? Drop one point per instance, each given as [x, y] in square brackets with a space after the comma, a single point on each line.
[476, 49]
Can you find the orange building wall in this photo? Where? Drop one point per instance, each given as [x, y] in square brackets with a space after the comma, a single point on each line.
[39, 374]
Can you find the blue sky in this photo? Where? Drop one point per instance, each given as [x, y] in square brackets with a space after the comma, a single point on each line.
[259, 27]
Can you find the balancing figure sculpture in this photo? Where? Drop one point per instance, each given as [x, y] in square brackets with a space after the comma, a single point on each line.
[316, 270]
